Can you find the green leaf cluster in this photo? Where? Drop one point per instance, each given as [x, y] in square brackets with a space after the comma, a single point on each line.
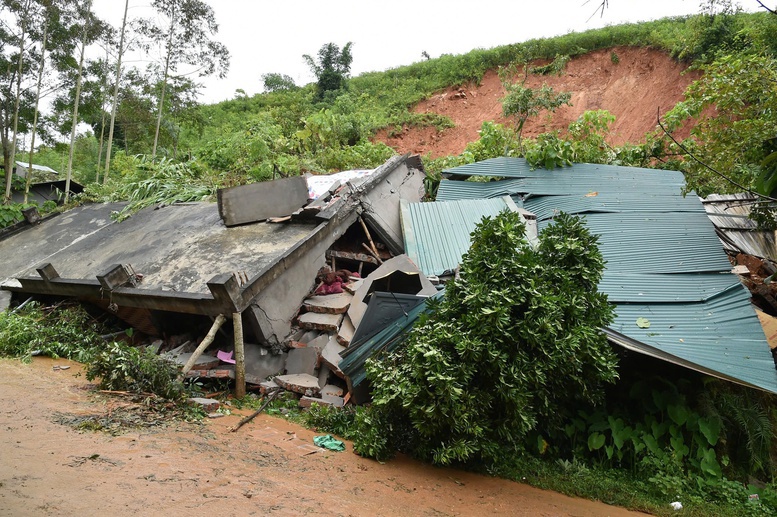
[513, 347]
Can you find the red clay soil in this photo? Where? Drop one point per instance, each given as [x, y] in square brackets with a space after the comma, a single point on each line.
[641, 83]
[268, 467]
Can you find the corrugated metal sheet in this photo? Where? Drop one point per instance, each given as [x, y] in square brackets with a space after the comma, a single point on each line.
[385, 341]
[438, 234]
[664, 260]
[738, 233]
[654, 242]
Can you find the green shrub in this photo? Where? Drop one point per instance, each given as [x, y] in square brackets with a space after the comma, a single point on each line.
[513, 347]
[122, 367]
[65, 331]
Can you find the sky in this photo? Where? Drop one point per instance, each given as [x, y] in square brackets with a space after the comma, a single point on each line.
[271, 36]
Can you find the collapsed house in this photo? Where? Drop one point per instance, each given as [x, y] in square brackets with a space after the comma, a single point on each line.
[667, 274]
[316, 268]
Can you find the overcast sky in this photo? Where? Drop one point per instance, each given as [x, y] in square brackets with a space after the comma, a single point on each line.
[271, 36]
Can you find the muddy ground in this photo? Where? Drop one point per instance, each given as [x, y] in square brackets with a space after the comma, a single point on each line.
[269, 467]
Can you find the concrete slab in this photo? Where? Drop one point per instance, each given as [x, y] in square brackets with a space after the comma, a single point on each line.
[323, 376]
[261, 364]
[299, 383]
[302, 360]
[176, 248]
[5, 300]
[323, 322]
[346, 332]
[330, 356]
[329, 304]
[398, 263]
[332, 390]
[306, 402]
[258, 201]
[204, 362]
[320, 341]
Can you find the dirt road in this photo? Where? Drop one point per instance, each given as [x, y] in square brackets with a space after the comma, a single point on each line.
[269, 467]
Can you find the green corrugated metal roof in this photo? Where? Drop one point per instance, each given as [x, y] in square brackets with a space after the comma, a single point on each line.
[664, 261]
[437, 234]
[356, 355]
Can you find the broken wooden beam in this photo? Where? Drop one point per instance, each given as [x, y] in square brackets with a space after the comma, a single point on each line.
[356, 257]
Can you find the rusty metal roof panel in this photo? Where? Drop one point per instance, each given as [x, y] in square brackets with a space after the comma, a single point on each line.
[738, 233]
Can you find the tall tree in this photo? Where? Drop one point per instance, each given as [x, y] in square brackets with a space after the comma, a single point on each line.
[87, 23]
[184, 33]
[331, 68]
[23, 12]
[115, 103]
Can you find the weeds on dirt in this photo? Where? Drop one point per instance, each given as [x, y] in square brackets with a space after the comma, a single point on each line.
[145, 414]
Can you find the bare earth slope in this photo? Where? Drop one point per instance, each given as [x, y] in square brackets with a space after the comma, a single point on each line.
[269, 467]
[633, 89]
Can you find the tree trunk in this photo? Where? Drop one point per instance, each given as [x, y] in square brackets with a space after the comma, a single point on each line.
[76, 101]
[115, 93]
[12, 159]
[37, 101]
[102, 120]
[164, 85]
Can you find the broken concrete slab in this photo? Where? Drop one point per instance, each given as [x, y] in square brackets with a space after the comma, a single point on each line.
[330, 356]
[346, 332]
[399, 178]
[204, 362]
[260, 363]
[207, 405]
[332, 390]
[259, 201]
[323, 375]
[266, 387]
[306, 402]
[302, 360]
[318, 321]
[320, 341]
[400, 263]
[299, 383]
[353, 285]
[5, 300]
[329, 304]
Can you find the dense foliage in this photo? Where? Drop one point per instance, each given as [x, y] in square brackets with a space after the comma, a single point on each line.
[514, 347]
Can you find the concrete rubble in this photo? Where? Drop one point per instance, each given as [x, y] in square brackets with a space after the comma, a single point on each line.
[298, 258]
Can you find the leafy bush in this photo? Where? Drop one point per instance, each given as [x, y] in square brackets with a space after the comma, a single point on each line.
[513, 347]
[64, 331]
[329, 419]
[10, 214]
[121, 367]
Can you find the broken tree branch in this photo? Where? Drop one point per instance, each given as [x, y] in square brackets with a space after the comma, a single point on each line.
[256, 413]
[697, 160]
[217, 323]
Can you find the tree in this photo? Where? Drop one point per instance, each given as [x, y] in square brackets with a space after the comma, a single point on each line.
[24, 12]
[514, 348]
[732, 140]
[523, 102]
[278, 82]
[183, 33]
[331, 69]
[114, 104]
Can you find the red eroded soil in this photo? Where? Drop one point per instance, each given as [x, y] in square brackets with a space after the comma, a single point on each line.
[268, 467]
[641, 83]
